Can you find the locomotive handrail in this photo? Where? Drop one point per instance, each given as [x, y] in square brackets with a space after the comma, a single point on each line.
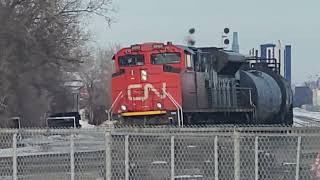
[250, 99]
[252, 104]
[115, 101]
[179, 108]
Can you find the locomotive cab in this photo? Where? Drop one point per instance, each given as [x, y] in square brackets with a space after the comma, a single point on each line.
[146, 84]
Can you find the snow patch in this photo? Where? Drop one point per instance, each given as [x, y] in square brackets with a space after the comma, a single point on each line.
[305, 113]
[304, 118]
[85, 124]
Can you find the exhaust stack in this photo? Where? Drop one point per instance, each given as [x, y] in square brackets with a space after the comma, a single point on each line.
[235, 43]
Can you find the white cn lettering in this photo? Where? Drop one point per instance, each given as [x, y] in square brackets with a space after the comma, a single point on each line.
[147, 87]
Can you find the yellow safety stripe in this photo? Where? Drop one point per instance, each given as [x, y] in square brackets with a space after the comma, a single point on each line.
[144, 113]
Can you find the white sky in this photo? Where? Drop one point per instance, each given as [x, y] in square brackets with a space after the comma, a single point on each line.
[294, 22]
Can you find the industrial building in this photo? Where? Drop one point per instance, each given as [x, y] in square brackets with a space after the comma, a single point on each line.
[302, 96]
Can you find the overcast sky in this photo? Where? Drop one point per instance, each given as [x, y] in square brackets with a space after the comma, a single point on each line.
[294, 22]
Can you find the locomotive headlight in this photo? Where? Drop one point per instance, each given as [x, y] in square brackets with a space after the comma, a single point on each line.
[159, 105]
[123, 108]
[144, 75]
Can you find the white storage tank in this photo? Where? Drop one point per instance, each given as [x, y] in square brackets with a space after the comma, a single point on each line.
[316, 97]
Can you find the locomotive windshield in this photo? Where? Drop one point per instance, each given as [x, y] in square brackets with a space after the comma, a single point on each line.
[165, 58]
[131, 60]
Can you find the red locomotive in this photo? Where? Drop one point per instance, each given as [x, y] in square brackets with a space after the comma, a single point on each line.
[156, 83]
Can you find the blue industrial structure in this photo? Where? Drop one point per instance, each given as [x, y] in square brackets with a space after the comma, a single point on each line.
[302, 96]
[287, 63]
[265, 51]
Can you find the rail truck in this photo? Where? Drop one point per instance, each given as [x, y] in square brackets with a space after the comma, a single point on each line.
[167, 84]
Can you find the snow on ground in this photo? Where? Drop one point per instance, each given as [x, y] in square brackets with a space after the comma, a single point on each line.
[303, 118]
[57, 144]
[305, 113]
[85, 124]
[300, 123]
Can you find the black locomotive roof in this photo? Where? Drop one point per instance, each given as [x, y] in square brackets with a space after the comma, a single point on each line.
[186, 48]
[219, 52]
[225, 54]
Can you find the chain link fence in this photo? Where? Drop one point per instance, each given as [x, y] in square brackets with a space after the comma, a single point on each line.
[215, 153]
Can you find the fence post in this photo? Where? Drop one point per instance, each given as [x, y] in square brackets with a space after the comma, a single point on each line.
[298, 158]
[126, 160]
[172, 157]
[14, 158]
[216, 162]
[74, 122]
[236, 155]
[108, 155]
[256, 158]
[72, 157]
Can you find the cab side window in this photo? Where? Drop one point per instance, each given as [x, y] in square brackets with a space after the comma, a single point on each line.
[131, 60]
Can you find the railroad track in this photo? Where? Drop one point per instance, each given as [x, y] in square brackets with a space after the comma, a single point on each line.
[305, 121]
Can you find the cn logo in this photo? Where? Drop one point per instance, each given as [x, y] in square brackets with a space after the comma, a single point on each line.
[146, 88]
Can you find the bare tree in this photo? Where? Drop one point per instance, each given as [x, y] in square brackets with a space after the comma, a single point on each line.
[96, 75]
[39, 40]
